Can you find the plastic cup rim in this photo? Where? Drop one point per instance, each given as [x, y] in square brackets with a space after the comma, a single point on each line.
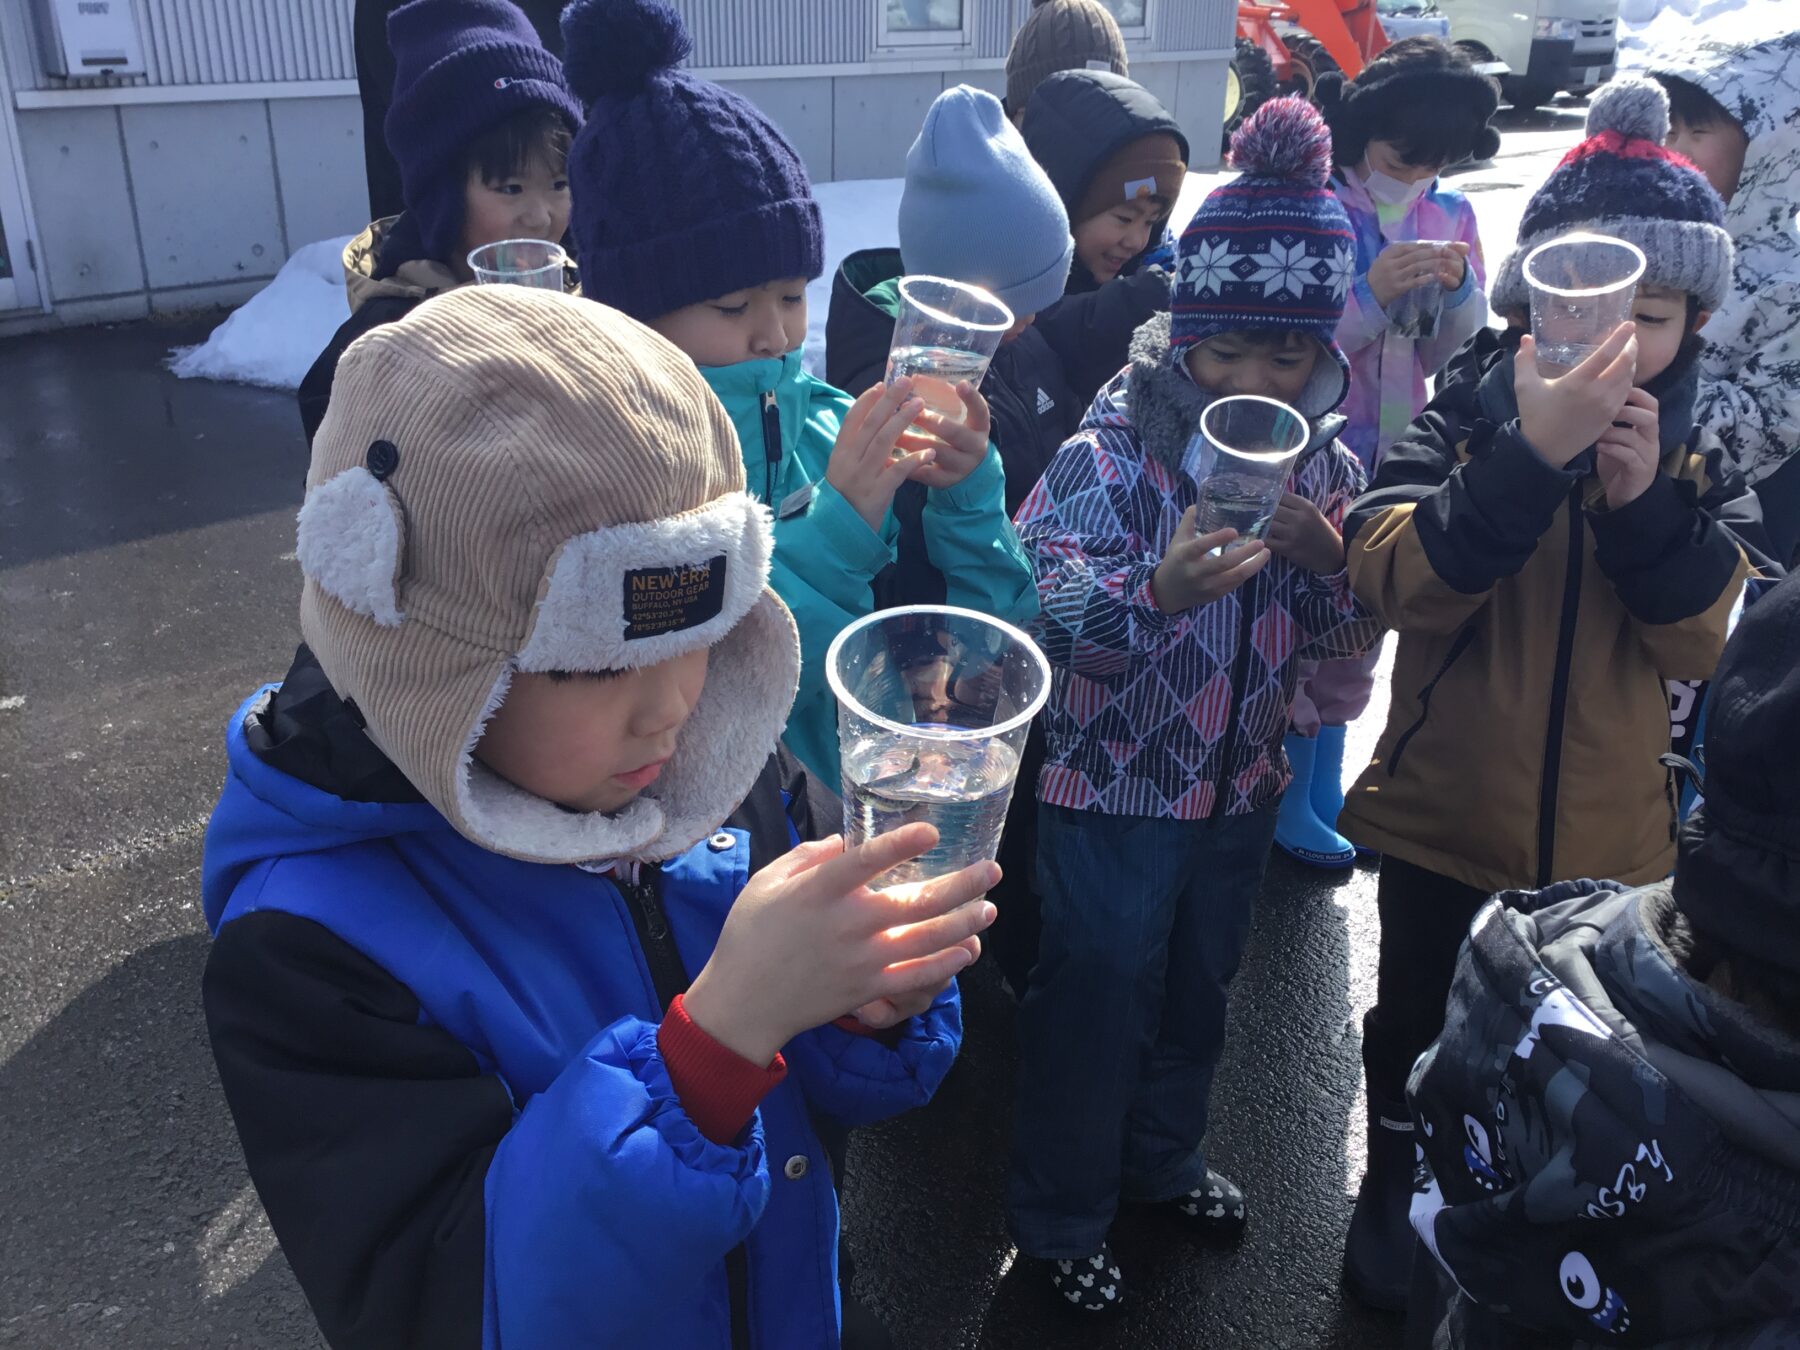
[559, 257]
[1260, 456]
[846, 699]
[1583, 292]
[944, 316]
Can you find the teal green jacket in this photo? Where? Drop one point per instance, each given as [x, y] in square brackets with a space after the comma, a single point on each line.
[825, 553]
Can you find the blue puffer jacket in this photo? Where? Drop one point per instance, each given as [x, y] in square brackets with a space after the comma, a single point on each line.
[445, 1072]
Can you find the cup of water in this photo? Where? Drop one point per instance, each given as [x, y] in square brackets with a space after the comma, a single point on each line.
[933, 706]
[947, 332]
[1415, 313]
[1242, 455]
[1582, 287]
[520, 262]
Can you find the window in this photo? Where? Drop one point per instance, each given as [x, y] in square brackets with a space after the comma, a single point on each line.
[1133, 16]
[924, 23]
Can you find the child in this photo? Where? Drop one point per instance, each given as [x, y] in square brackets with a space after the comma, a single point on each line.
[1173, 670]
[1610, 1119]
[694, 215]
[516, 793]
[1414, 110]
[1118, 158]
[1550, 551]
[1060, 35]
[1736, 114]
[480, 123]
[976, 208]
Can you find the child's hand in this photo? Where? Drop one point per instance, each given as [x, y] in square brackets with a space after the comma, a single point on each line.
[1400, 268]
[891, 1012]
[1563, 416]
[1299, 532]
[1453, 264]
[864, 466]
[1191, 574]
[957, 448]
[1629, 452]
[807, 941]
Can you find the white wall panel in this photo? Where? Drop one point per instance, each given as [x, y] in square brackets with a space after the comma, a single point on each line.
[319, 158]
[85, 225]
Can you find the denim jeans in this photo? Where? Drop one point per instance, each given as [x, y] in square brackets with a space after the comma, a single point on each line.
[1144, 922]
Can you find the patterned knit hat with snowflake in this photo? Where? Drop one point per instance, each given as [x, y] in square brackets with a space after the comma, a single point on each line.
[1272, 249]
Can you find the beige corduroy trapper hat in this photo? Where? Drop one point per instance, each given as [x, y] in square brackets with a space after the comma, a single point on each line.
[515, 480]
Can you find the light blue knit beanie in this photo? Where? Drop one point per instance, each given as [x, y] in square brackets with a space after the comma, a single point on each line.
[977, 208]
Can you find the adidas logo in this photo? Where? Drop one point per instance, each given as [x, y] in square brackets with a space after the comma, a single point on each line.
[1045, 403]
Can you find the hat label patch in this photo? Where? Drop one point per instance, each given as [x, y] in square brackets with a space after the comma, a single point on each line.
[1140, 187]
[662, 600]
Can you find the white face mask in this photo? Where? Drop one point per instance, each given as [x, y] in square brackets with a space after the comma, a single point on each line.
[1391, 191]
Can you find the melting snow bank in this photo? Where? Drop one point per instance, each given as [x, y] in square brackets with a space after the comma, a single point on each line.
[273, 337]
[1645, 25]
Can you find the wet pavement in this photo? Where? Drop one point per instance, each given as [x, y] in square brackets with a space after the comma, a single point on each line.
[147, 582]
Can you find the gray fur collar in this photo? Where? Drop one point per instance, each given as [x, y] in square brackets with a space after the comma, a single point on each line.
[1165, 404]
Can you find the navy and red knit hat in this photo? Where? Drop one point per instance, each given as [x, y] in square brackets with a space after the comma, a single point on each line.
[461, 67]
[1621, 181]
[1271, 249]
[682, 189]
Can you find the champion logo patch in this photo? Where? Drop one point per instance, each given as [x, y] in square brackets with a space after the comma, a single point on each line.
[506, 82]
[1045, 403]
[661, 600]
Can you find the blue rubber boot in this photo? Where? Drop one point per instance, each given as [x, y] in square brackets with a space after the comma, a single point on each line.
[1298, 829]
[1328, 782]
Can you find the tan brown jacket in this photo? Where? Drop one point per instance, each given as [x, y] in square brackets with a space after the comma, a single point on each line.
[1537, 631]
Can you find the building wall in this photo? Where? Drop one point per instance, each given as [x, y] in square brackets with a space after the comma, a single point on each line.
[190, 185]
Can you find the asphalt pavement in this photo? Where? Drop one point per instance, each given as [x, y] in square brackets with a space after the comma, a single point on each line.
[147, 583]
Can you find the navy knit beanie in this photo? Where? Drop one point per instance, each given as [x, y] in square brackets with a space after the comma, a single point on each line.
[1621, 181]
[1271, 249]
[683, 190]
[461, 67]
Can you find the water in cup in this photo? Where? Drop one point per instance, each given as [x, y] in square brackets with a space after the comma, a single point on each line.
[936, 371]
[946, 332]
[1582, 288]
[933, 706]
[961, 787]
[1235, 501]
[1242, 455]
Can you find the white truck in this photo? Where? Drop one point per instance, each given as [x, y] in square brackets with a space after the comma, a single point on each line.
[1538, 48]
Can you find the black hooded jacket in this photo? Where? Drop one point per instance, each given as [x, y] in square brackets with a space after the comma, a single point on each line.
[1076, 121]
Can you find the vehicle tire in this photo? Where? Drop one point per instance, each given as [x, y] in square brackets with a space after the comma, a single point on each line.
[1526, 95]
[1249, 83]
[1311, 60]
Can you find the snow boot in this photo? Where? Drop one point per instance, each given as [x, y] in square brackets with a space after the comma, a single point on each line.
[1090, 1284]
[1298, 829]
[1328, 782]
[1378, 1254]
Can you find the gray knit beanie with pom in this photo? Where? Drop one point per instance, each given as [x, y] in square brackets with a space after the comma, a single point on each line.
[1622, 182]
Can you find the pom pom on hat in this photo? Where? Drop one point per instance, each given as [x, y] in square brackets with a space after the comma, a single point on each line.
[617, 46]
[1286, 139]
[1630, 107]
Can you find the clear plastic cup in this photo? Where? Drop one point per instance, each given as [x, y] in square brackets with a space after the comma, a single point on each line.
[1582, 286]
[1241, 456]
[1415, 313]
[947, 332]
[520, 262]
[933, 706]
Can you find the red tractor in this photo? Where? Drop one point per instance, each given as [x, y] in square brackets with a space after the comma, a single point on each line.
[1283, 47]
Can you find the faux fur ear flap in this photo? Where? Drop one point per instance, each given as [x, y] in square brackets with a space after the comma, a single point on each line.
[351, 539]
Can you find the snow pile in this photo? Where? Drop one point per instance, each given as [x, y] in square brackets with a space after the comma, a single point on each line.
[276, 335]
[1645, 25]
[279, 332]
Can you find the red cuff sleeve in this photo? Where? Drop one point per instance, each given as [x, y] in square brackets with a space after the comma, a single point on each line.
[888, 1036]
[719, 1089]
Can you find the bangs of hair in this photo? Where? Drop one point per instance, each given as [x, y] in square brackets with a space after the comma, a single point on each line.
[1691, 105]
[507, 149]
[1443, 135]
